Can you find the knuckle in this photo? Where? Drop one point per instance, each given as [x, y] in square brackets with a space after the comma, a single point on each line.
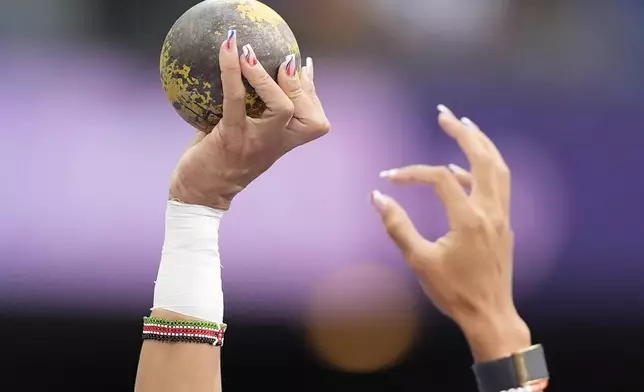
[262, 79]
[285, 109]
[295, 92]
[504, 171]
[323, 126]
[475, 221]
[394, 226]
[289, 108]
[237, 96]
[414, 257]
[416, 172]
[442, 178]
[230, 67]
[443, 174]
[498, 223]
[485, 160]
[416, 168]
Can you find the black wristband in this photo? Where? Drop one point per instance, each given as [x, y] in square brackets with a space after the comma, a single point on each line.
[521, 369]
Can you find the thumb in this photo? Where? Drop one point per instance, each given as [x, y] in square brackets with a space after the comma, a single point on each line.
[398, 224]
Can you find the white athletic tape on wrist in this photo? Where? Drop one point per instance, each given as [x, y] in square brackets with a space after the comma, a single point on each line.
[189, 278]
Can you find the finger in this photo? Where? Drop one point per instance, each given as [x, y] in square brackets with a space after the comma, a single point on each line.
[503, 172]
[484, 182]
[308, 113]
[289, 81]
[463, 176]
[277, 103]
[234, 107]
[295, 86]
[489, 145]
[308, 76]
[449, 191]
[310, 69]
[398, 225]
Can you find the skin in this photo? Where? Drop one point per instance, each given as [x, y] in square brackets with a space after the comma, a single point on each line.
[217, 166]
[467, 273]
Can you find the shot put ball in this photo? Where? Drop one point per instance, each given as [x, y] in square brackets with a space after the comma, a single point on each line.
[189, 65]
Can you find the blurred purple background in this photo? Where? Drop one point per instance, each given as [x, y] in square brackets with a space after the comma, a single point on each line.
[88, 141]
[89, 157]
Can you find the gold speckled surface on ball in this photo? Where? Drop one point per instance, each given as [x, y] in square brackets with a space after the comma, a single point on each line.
[189, 63]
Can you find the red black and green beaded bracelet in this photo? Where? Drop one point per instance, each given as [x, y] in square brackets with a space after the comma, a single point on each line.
[184, 331]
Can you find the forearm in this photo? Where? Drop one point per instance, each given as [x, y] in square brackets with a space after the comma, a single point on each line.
[178, 367]
[177, 356]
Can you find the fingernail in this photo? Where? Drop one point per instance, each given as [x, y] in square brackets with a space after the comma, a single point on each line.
[249, 54]
[444, 109]
[379, 201]
[310, 72]
[456, 169]
[467, 122]
[388, 173]
[291, 69]
[232, 34]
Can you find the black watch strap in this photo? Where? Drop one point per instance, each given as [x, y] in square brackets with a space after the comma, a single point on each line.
[522, 369]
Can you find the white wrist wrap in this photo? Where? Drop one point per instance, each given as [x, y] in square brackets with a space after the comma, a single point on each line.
[189, 278]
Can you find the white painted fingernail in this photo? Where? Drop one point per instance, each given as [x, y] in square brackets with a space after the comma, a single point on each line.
[444, 109]
[456, 169]
[388, 173]
[379, 201]
[310, 71]
[467, 122]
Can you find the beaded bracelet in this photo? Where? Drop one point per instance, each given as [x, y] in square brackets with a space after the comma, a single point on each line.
[184, 331]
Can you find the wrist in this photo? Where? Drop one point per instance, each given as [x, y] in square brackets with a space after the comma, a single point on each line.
[212, 201]
[189, 277]
[496, 335]
[218, 197]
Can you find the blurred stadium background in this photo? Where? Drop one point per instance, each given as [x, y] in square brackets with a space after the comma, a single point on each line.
[317, 298]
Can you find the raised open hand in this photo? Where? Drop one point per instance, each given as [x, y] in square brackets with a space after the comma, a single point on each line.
[468, 272]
